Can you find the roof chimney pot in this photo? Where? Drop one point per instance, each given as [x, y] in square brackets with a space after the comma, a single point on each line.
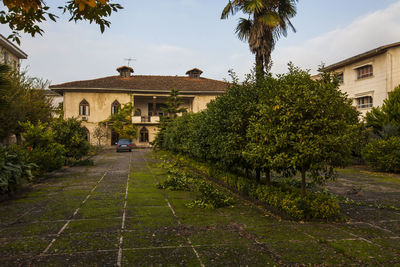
[125, 71]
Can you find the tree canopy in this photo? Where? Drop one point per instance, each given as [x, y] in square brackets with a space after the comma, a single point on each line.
[267, 21]
[22, 99]
[28, 15]
[121, 122]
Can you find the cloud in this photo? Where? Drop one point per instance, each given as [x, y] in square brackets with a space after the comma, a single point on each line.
[368, 32]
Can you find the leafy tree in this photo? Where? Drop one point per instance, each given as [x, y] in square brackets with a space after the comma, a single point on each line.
[267, 21]
[385, 120]
[307, 127]
[227, 119]
[28, 15]
[173, 108]
[24, 100]
[72, 135]
[121, 122]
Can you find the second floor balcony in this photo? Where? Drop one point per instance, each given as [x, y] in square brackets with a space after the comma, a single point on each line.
[146, 119]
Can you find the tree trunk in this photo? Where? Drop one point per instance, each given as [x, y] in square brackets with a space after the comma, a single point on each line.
[268, 176]
[258, 175]
[259, 65]
[303, 182]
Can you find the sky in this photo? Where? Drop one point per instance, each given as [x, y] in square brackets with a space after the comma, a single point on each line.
[169, 37]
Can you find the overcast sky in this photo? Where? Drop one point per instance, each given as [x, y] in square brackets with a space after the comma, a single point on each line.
[168, 37]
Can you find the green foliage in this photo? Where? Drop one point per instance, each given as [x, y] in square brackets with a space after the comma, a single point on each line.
[385, 120]
[27, 16]
[180, 179]
[14, 171]
[286, 124]
[121, 122]
[302, 125]
[280, 197]
[177, 179]
[383, 155]
[265, 22]
[210, 197]
[72, 135]
[171, 111]
[42, 148]
[24, 100]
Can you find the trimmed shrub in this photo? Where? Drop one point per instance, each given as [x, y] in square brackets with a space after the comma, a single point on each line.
[383, 155]
[280, 197]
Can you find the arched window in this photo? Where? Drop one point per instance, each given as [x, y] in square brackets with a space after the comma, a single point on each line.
[115, 107]
[84, 108]
[144, 135]
[87, 134]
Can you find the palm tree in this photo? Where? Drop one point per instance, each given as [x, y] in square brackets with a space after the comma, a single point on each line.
[267, 21]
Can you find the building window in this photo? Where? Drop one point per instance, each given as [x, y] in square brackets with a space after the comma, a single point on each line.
[364, 72]
[115, 107]
[138, 112]
[144, 135]
[364, 102]
[340, 77]
[84, 108]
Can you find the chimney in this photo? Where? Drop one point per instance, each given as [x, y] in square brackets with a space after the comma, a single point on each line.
[194, 73]
[125, 72]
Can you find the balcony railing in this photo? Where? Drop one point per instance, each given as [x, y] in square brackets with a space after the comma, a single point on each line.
[145, 119]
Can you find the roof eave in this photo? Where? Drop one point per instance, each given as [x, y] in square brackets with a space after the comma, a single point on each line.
[20, 54]
[368, 54]
[61, 90]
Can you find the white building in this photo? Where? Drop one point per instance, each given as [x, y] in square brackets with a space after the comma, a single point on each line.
[369, 77]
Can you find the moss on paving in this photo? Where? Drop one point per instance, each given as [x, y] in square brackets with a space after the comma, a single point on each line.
[239, 235]
[160, 257]
[236, 255]
[68, 243]
[95, 225]
[158, 237]
[363, 251]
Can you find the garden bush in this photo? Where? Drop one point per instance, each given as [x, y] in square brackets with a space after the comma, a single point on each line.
[14, 171]
[210, 197]
[72, 136]
[383, 155]
[281, 197]
[42, 148]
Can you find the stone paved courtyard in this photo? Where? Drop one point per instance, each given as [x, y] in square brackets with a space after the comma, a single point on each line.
[113, 214]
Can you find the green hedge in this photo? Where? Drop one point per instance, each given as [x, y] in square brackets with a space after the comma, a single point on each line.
[280, 197]
[383, 155]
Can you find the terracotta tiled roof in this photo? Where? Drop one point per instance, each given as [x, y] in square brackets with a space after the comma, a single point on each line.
[139, 83]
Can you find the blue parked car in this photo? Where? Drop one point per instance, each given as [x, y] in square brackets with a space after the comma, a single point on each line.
[124, 145]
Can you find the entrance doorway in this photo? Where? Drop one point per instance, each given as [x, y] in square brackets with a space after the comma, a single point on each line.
[114, 138]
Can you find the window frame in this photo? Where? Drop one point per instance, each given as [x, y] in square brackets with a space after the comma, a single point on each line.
[365, 71]
[115, 107]
[144, 135]
[362, 104]
[84, 108]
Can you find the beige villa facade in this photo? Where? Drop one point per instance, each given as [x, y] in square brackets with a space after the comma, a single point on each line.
[93, 101]
[367, 78]
[10, 54]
